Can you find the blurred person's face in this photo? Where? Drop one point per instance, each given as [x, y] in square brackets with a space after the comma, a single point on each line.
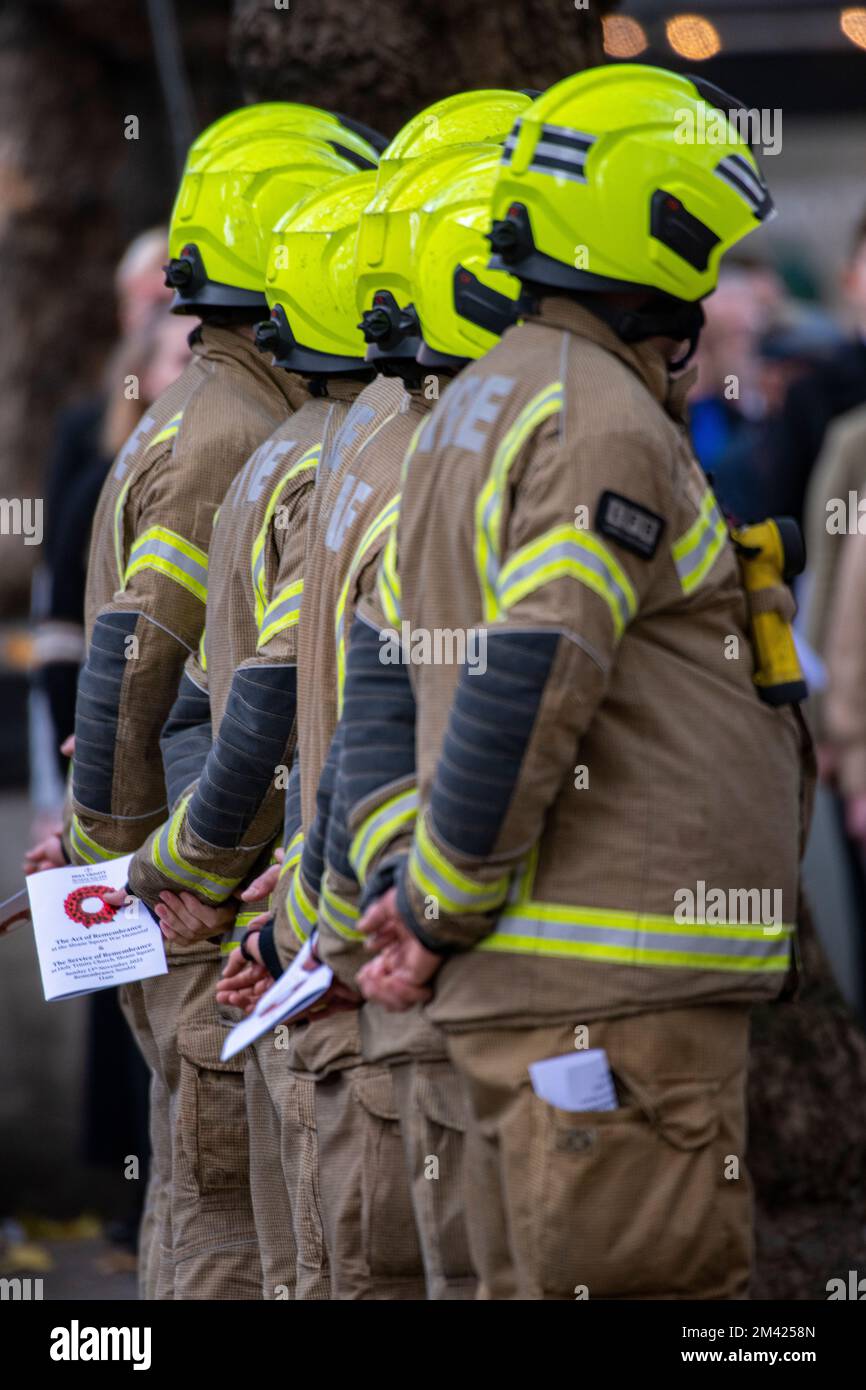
[776, 378]
[170, 356]
[140, 294]
[735, 317]
[854, 284]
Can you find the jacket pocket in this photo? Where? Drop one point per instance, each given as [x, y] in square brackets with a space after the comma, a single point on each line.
[630, 1203]
[212, 1112]
[389, 1239]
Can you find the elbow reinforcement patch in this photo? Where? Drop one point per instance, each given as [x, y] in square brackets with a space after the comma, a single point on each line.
[292, 817]
[313, 858]
[186, 738]
[490, 725]
[245, 756]
[379, 718]
[97, 710]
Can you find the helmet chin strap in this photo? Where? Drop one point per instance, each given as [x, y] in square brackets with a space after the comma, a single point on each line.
[662, 316]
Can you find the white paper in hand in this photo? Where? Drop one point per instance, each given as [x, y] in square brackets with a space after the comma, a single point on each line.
[576, 1081]
[83, 943]
[297, 989]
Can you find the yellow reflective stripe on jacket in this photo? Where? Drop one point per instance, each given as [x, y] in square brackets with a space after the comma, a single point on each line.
[387, 517]
[232, 940]
[292, 857]
[170, 429]
[488, 507]
[434, 876]
[629, 938]
[87, 848]
[388, 581]
[567, 552]
[202, 652]
[165, 551]
[168, 859]
[283, 611]
[381, 826]
[293, 852]
[339, 914]
[301, 911]
[524, 877]
[310, 459]
[118, 529]
[695, 552]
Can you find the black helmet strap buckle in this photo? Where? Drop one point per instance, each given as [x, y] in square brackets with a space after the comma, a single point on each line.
[275, 335]
[186, 273]
[387, 327]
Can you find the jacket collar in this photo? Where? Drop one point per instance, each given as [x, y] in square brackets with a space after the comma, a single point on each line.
[223, 343]
[558, 311]
[420, 399]
[343, 388]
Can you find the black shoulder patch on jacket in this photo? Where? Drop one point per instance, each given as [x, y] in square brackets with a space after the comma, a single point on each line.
[632, 526]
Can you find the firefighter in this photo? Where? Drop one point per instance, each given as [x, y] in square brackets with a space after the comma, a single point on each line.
[229, 742]
[146, 591]
[461, 308]
[580, 794]
[356, 1110]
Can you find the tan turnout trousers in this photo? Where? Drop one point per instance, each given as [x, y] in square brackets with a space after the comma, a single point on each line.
[648, 1201]
[202, 1238]
[368, 1219]
[284, 1176]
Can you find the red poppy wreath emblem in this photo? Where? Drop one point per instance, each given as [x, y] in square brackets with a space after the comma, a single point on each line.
[84, 916]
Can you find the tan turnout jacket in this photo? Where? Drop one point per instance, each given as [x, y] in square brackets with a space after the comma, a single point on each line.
[148, 579]
[609, 818]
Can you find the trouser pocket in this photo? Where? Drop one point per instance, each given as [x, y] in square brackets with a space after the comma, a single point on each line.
[637, 1202]
[388, 1234]
[301, 1139]
[437, 1131]
[211, 1114]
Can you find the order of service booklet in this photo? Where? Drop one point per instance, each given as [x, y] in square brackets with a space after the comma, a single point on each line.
[296, 991]
[84, 943]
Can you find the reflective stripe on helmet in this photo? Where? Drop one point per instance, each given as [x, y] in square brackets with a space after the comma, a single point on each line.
[169, 554]
[558, 150]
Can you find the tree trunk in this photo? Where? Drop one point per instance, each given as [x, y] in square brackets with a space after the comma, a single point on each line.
[74, 188]
[382, 62]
